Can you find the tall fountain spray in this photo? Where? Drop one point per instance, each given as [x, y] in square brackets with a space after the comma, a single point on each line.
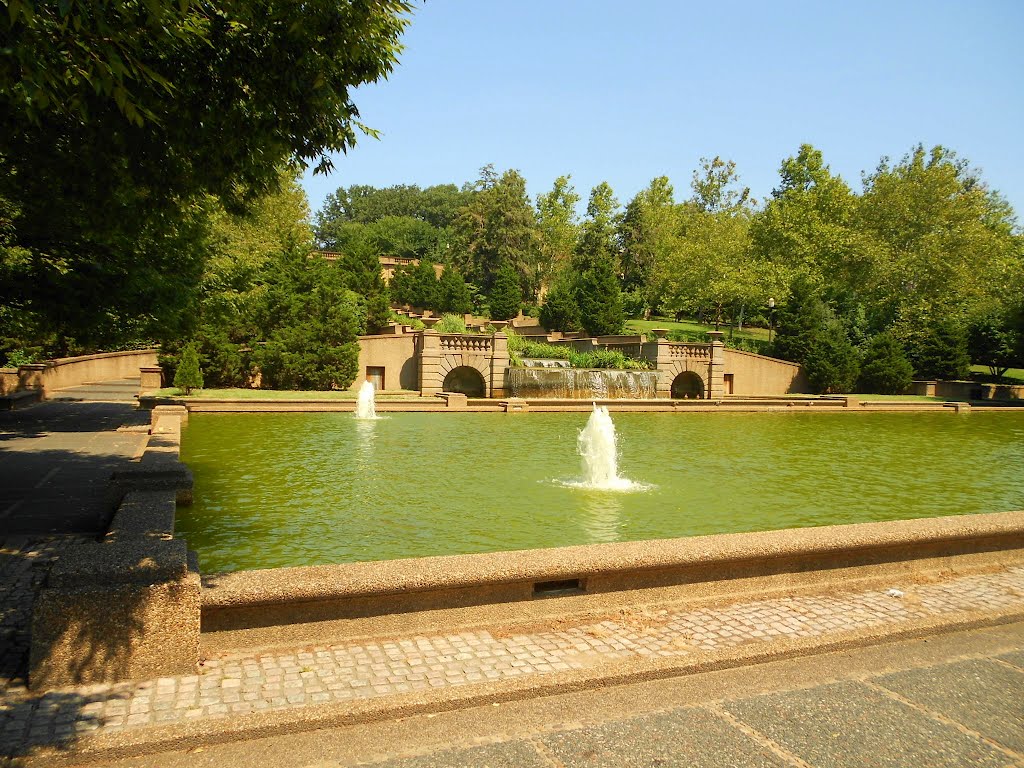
[598, 447]
[365, 407]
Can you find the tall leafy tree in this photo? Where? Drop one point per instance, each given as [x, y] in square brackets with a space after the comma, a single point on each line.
[559, 230]
[498, 225]
[808, 227]
[596, 288]
[648, 235]
[946, 241]
[123, 116]
[711, 268]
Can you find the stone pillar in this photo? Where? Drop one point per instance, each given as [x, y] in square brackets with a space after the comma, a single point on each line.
[116, 611]
[716, 371]
[656, 352]
[151, 378]
[499, 362]
[31, 376]
[430, 363]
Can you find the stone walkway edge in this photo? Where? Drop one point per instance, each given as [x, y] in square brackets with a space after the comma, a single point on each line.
[261, 694]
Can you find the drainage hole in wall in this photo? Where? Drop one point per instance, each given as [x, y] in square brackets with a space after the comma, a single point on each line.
[557, 588]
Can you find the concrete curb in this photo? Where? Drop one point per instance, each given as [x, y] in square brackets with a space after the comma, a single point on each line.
[546, 405]
[248, 599]
[313, 717]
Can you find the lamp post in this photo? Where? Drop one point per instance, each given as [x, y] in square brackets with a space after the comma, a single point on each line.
[771, 318]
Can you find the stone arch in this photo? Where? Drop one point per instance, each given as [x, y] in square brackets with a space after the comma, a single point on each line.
[688, 385]
[465, 379]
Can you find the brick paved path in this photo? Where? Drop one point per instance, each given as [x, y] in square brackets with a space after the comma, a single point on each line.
[238, 684]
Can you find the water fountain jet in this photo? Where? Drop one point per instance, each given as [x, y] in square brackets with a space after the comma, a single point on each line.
[598, 446]
[365, 406]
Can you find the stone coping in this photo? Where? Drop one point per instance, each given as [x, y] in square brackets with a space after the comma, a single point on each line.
[732, 404]
[98, 565]
[643, 563]
[99, 356]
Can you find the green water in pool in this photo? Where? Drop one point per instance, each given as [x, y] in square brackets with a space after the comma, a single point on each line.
[280, 489]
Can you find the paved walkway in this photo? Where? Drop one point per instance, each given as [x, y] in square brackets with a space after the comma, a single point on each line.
[298, 681]
[56, 460]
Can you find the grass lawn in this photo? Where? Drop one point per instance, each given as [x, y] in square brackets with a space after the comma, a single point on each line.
[1012, 376]
[904, 398]
[279, 394]
[691, 326]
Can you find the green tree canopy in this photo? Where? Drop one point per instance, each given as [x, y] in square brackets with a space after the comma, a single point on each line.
[559, 230]
[117, 119]
[648, 235]
[498, 225]
[946, 244]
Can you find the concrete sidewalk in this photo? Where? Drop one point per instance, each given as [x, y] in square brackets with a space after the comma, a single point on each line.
[56, 461]
[947, 701]
[245, 694]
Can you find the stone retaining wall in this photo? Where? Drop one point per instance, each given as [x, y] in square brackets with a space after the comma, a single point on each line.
[74, 371]
[252, 599]
[128, 606]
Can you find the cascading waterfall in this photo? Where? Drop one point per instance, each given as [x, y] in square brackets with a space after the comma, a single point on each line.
[580, 383]
[365, 406]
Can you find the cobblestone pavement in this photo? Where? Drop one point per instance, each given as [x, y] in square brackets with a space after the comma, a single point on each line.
[237, 684]
[24, 563]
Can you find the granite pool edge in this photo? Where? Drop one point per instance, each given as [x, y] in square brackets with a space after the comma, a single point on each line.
[794, 404]
[246, 599]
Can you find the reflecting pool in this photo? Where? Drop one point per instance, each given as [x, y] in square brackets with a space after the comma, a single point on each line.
[285, 489]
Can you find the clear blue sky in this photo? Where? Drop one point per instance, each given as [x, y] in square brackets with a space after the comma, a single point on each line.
[623, 92]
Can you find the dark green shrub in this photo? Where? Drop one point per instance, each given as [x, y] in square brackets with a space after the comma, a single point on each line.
[832, 363]
[453, 293]
[506, 295]
[800, 322]
[599, 299]
[560, 312]
[188, 376]
[940, 352]
[885, 369]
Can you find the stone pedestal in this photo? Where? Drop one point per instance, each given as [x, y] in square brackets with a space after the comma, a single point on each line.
[117, 611]
[455, 401]
[151, 378]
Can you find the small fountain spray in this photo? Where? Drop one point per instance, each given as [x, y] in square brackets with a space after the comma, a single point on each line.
[365, 407]
[598, 447]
